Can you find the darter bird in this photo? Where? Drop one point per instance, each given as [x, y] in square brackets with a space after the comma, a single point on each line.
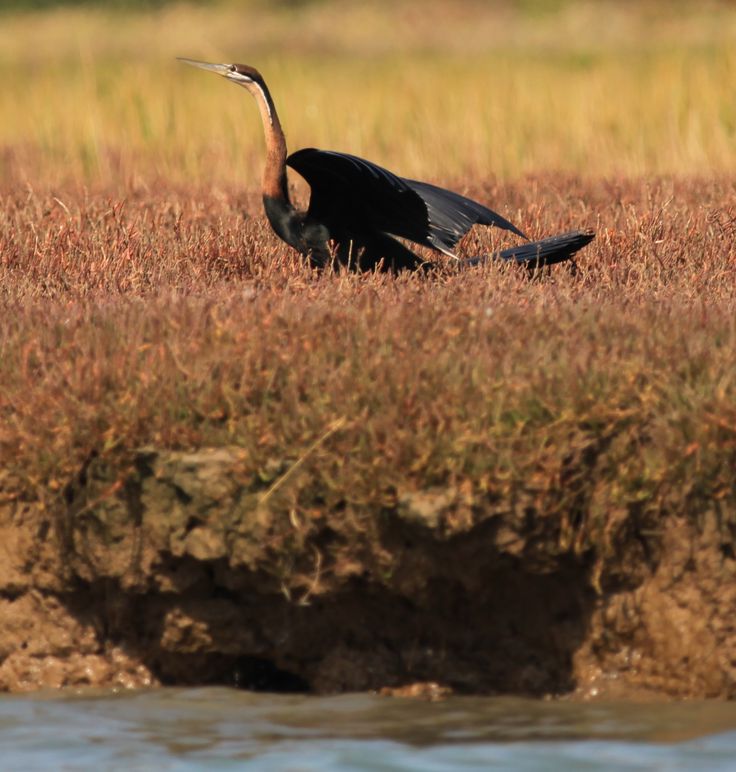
[362, 209]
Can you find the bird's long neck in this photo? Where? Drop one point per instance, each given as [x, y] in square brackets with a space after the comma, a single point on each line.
[274, 174]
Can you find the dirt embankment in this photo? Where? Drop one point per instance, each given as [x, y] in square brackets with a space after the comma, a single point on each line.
[176, 574]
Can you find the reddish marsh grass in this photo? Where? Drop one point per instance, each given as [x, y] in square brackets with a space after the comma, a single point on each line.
[175, 320]
[667, 236]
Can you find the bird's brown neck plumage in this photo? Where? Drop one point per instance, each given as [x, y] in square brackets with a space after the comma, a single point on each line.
[274, 174]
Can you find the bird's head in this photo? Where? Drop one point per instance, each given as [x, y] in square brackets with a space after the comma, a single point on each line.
[242, 74]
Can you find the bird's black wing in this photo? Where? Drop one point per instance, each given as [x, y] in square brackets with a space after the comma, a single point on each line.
[451, 215]
[352, 195]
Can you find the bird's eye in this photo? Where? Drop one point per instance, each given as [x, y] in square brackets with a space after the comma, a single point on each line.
[233, 68]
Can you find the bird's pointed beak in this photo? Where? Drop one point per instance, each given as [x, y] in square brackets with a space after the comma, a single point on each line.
[220, 69]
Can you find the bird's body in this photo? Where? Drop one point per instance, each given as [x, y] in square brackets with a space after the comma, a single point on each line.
[358, 210]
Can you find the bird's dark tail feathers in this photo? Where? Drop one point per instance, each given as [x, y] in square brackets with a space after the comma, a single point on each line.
[536, 254]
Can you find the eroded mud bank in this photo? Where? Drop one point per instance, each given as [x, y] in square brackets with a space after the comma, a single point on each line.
[175, 572]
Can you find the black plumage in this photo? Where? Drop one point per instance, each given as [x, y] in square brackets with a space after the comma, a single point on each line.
[554, 249]
[351, 193]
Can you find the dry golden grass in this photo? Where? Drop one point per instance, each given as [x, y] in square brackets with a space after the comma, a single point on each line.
[438, 90]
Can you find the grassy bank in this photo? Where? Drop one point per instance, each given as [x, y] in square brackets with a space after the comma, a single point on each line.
[171, 321]
[144, 301]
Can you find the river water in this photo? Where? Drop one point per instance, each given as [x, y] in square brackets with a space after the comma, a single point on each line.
[225, 729]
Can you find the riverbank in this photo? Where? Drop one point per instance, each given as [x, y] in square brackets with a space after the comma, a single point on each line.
[219, 467]
[179, 574]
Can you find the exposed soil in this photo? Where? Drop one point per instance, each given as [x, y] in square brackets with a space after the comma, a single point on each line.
[174, 573]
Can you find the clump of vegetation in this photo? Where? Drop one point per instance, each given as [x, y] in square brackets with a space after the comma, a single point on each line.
[144, 301]
[170, 321]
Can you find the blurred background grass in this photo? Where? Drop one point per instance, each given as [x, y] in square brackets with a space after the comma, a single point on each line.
[437, 89]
